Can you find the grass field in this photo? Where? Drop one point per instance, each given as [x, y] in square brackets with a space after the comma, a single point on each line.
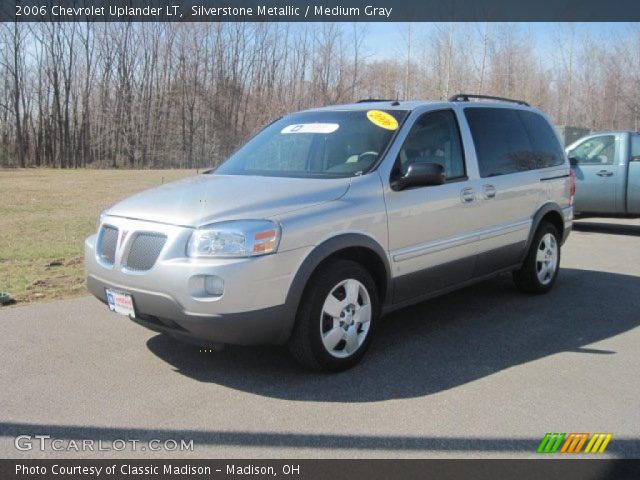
[45, 216]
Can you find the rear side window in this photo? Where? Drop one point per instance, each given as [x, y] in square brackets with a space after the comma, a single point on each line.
[635, 147]
[546, 147]
[510, 141]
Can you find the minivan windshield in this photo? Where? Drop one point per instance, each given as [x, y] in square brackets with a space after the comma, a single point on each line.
[320, 144]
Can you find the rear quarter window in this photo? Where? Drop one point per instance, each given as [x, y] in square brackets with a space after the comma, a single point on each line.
[546, 148]
[635, 147]
[510, 141]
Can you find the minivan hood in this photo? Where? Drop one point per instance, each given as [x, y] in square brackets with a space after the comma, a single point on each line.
[209, 198]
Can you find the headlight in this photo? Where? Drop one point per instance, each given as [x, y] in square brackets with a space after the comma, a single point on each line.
[241, 238]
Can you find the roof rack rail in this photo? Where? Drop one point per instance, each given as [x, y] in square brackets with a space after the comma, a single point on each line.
[464, 97]
[370, 100]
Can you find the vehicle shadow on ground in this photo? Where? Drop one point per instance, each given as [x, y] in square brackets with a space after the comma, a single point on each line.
[612, 228]
[436, 345]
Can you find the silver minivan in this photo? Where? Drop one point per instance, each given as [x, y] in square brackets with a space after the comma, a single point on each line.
[329, 218]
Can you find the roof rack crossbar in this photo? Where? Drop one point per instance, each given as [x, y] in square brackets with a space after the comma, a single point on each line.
[464, 97]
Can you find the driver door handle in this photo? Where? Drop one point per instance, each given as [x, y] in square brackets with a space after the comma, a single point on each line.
[604, 173]
[467, 195]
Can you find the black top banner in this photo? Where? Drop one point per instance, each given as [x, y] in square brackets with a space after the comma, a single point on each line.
[321, 11]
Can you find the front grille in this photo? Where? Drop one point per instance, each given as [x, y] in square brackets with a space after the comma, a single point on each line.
[144, 251]
[107, 244]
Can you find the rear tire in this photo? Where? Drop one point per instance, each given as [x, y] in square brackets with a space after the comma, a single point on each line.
[336, 317]
[540, 268]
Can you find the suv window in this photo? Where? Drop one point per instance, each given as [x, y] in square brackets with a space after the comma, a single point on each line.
[546, 146]
[595, 151]
[635, 147]
[433, 138]
[510, 141]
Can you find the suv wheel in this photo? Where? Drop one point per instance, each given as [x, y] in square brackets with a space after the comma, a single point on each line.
[540, 268]
[336, 317]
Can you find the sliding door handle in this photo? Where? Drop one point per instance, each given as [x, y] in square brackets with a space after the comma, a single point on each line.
[467, 195]
[489, 191]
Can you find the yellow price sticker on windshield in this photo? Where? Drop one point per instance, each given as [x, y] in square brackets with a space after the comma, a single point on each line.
[382, 119]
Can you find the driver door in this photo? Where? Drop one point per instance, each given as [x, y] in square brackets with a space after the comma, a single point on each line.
[432, 229]
[596, 167]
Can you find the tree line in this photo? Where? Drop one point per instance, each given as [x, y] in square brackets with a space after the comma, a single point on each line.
[171, 95]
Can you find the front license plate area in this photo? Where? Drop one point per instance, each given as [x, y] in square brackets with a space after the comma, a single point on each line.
[120, 302]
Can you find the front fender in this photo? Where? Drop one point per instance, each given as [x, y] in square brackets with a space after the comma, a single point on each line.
[323, 251]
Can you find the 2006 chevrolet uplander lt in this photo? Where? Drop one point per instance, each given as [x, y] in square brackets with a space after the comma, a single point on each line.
[329, 218]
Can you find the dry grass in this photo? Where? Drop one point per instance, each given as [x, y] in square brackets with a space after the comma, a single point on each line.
[46, 215]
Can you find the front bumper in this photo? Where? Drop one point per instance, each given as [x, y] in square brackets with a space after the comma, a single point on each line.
[252, 310]
[162, 313]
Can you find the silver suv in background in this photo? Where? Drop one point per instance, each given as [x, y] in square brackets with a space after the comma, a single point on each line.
[329, 218]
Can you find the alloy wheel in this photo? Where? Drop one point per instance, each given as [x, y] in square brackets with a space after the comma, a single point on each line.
[346, 318]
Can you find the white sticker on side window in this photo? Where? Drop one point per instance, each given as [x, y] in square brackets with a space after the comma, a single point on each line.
[311, 128]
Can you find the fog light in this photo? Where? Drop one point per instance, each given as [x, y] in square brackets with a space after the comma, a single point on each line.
[213, 285]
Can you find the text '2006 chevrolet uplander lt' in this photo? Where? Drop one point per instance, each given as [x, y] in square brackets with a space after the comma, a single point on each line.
[331, 217]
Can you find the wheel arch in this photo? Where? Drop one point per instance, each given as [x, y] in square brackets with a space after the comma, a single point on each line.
[549, 212]
[352, 246]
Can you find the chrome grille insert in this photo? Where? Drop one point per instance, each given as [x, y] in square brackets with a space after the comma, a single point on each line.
[144, 251]
[107, 242]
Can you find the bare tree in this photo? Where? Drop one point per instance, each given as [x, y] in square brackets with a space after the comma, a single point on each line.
[152, 95]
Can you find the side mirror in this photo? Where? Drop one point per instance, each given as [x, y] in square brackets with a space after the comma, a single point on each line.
[420, 175]
[573, 161]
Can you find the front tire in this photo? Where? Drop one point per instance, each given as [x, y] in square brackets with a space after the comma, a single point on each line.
[539, 271]
[336, 317]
